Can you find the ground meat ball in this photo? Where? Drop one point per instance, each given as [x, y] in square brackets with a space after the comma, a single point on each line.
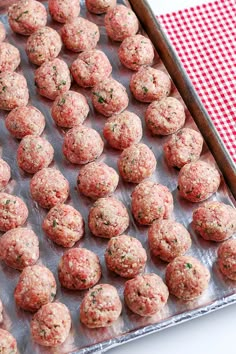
[64, 225]
[123, 130]
[23, 121]
[165, 117]
[146, 294]
[52, 78]
[70, 109]
[198, 181]
[80, 34]
[108, 217]
[13, 212]
[136, 51]
[26, 16]
[97, 180]
[49, 187]
[227, 259]
[50, 326]
[125, 256]
[19, 248]
[109, 97]
[136, 163]
[168, 239]
[215, 221]
[8, 343]
[151, 201]
[149, 84]
[1, 310]
[64, 10]
[121, 22]
[43, 45]
[82, 145]
[2, 32]
[91, 67]
[100, 307]
[186, 277]
[34, 153]
[183, 147]
[13, 91]
[79, 269]
[9, 57]
[5, 174]
[99, 7]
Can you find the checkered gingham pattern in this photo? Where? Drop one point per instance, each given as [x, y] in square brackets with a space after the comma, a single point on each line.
[204, 38]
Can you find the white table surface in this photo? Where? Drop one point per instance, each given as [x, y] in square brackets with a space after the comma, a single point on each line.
[210, 334]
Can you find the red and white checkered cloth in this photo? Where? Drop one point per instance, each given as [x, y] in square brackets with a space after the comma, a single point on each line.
[204, 38]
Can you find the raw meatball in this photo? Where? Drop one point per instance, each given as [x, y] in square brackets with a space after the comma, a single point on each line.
[99, 7]
[79, 269]
[108, 217]
[26, 16]
[183, 147]
[50, 326]
[227, 259]
[82, 145]
[149, 84]
[121, 22]
[100, 307]
[34, 153]
[49, 187]
[23, 121]
[151, 201]
[109, 97]
[136, 163]
[146, 294]
[168, 239]
[8, 343]
[64, 225]
[2, 32]
[136, 51]
[9, 57]
[165, 117]
[123, 130]
[186, 277]
[19, 248]
[64, 10]
[13, 91]
[91, 67]
[80, 34]
[125, 256]
[198, 181]
[5, 174]
[13, 212]
[70, 109]
[52, 78]
[215, 221]
[43, 45]
[97, 180]
[35, 288]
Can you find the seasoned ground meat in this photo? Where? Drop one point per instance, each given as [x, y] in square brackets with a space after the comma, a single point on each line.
[19, 248]
[91, 67]
[123, 130]
[101, 306]
[100, 6]
[13, 91]
[125, 256]
[198, 181]
[70, 109]
[146, 294]
[64, 10]
[13, 212]
[50, 326]
[5, 174]
[8, 343]
[9, 57]
[136, 163]
[64, 225]
[79, 269]
[2, 32]
[186, 277]
[227, 259]
[108, 217]
[35, 288]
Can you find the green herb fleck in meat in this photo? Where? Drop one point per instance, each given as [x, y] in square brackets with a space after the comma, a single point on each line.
[54, 223]
[189, 265]
[7, 201]
[145, 89]
[23, 13]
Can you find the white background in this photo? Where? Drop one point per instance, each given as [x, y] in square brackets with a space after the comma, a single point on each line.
[211, 334]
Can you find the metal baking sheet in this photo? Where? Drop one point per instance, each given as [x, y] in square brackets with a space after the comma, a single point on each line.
[221, 292]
